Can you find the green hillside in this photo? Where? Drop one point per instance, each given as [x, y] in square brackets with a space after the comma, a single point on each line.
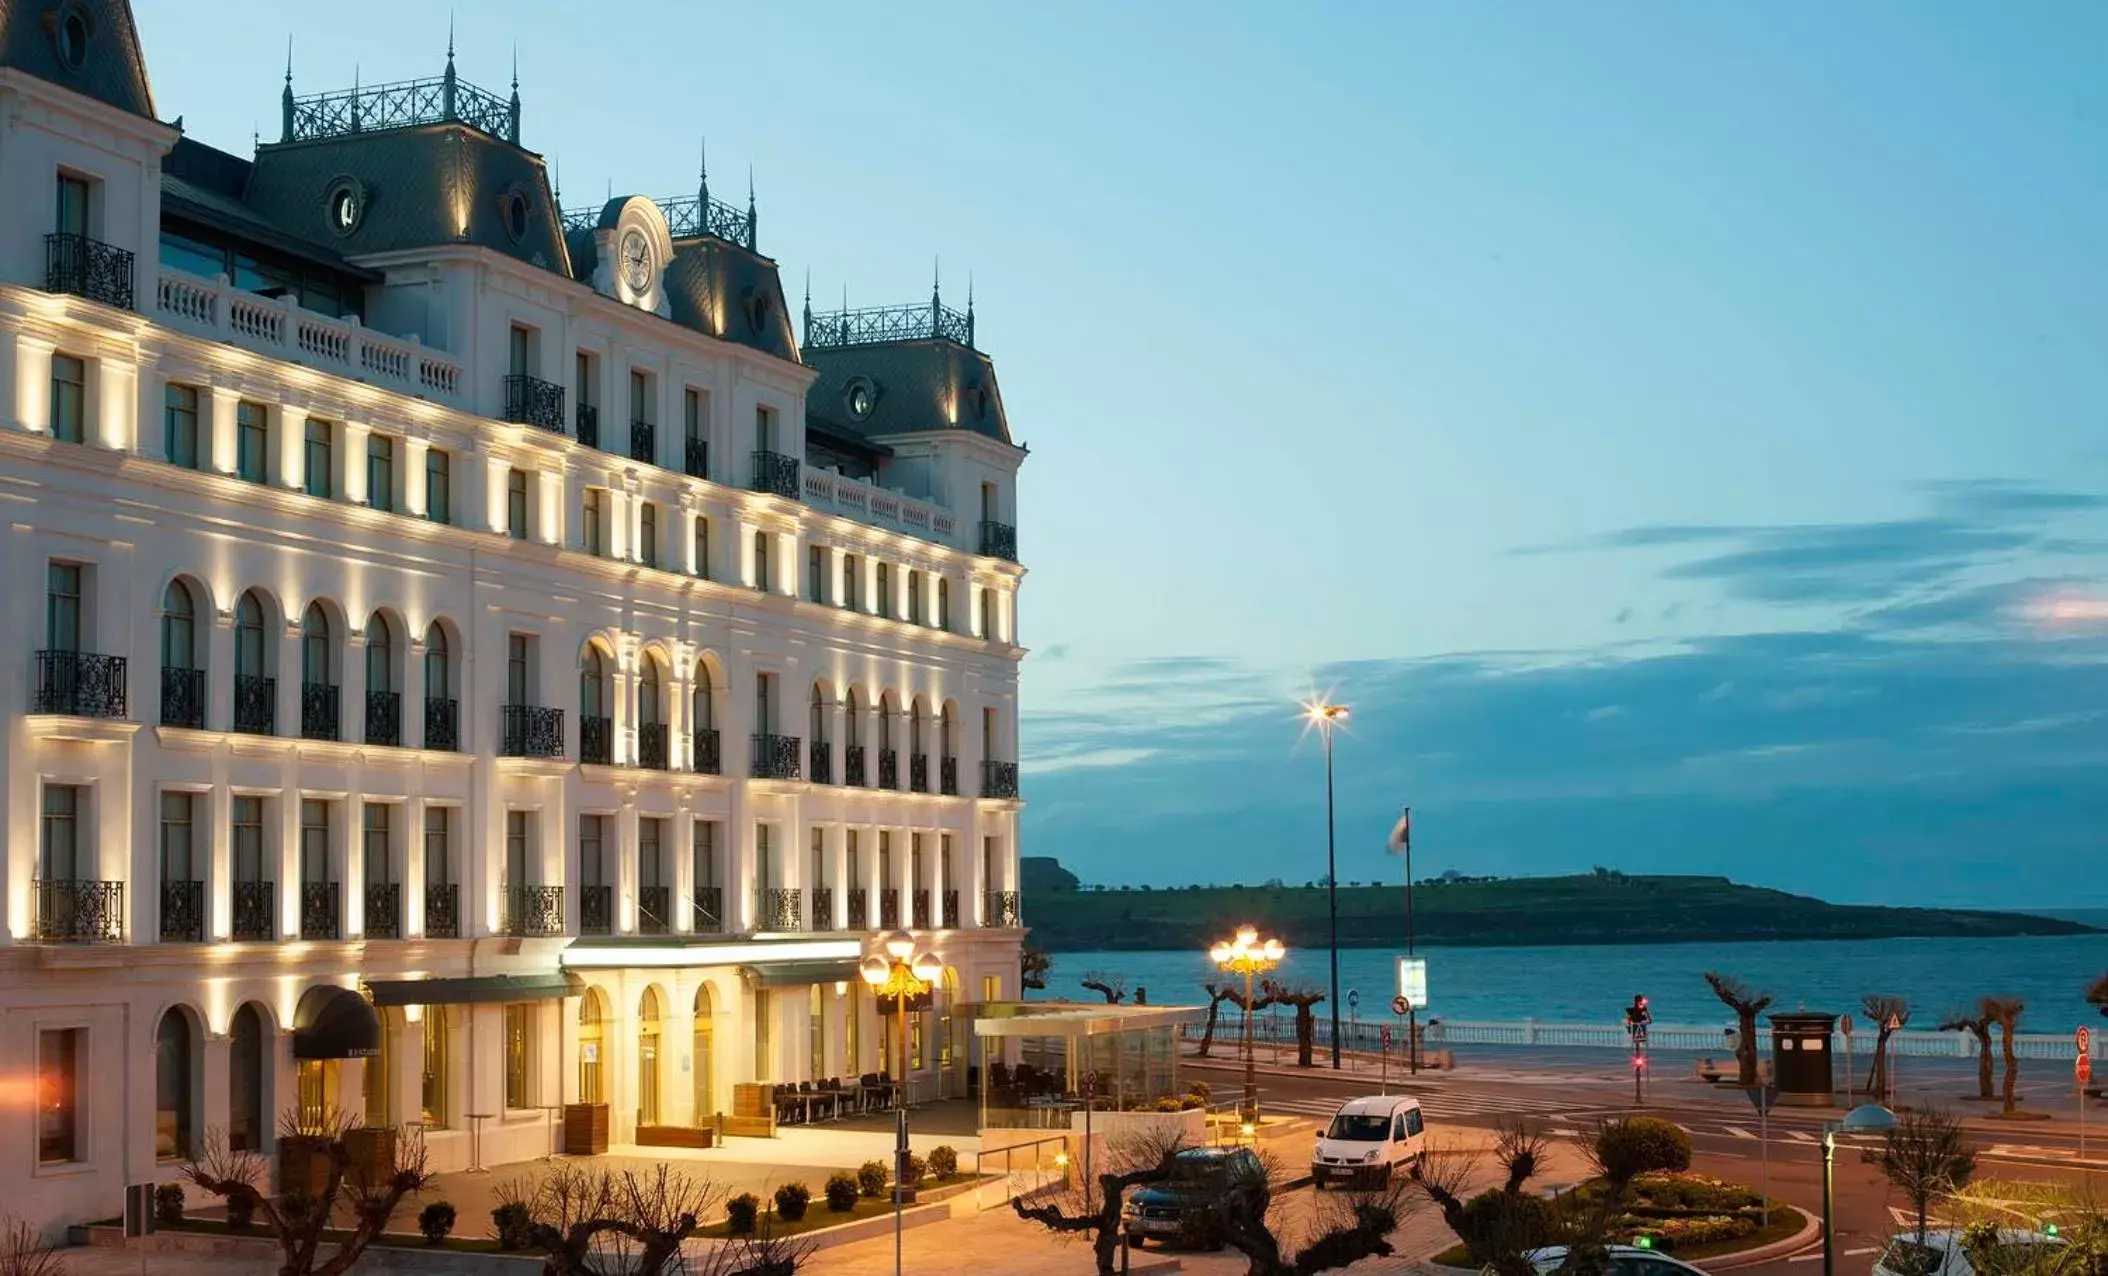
[1603, 907]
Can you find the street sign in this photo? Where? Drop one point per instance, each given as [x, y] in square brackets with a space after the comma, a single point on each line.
[1763, 1098]
[1387, 1036]
[2083, 1039]
[1353, 998]
[2084, 1068]
[1844, 1025]
[1399, 1006]
[1412, 980]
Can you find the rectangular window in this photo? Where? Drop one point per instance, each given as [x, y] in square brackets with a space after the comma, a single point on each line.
[914, 598]
[588, 395]
[314, 840]
[58, 1095]
[651, 864]
[516, 504]
[915, 861]
[252, 442]
[178, 811]
[179, 425]
[439, 839]
[648, 534]
[62, 607]
[944, 604]
[520, 352]
[380, 472]
[854, 878]
[73, 205]
[765, 703]
[886, 880]
[764, 868]
[62, 804]
[592, 869]
[819, 858]
[69, 398]
[761, 561]
[764, 430]
[852, 577]
[816, 573]
[695, 425]
[705, 853]
[519, 1031]
[380, 853]
[641, 407]
[702, 547]
[519, 668]
[988, 503]
[882, 593]
[439, 486]
[516, 848]
[321, 480]
[987, 622]
[593, 529]
[246, 845]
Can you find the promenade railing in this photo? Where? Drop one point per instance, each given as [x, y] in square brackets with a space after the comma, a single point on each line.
[1366, 1035]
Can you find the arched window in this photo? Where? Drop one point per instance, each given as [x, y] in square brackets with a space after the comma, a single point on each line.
[592, 685]
[592, 1046]
[886, 712]
[179, 628]
[705, 1069]
[432, 1101]
[245, 1073]
[648, 1058]
[439, 673]
[249, 637]
[380, 654]
[915, 734]
[702, 701]
[315, 646]
[172, 1100]
[853, 721]
[650, 711]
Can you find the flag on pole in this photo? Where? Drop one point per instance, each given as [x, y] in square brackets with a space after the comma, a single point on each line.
[1402, 835]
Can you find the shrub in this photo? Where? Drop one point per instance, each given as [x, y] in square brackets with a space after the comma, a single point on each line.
[944, 1160]
[791, 1200]
[168, 1204]
[1631, 1146]
[740, 1213]
[1170, 1103]
[1497, 1223]
[842, 1191]
[435, 1221]
[916, 1171]
[871, 1178]
[510, 1225]
[241, 1213]
[1200, 1090]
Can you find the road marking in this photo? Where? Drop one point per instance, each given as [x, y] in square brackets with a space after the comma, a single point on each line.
[1566, 1133]
[1803, 1258]
[1800, 1136]
[1739, 1132]
[1864, 1249]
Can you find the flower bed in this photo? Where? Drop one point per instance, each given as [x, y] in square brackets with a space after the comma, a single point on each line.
[1689, 1215]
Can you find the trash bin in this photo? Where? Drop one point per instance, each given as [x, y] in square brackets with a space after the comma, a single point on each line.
[1800, 1058]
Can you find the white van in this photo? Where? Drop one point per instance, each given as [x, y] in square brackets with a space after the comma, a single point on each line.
[1369, 1139]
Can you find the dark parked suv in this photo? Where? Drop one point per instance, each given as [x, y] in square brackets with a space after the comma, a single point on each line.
[1185, 1209]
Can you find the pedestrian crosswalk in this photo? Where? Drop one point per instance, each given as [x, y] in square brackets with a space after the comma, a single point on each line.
[1437, 1104]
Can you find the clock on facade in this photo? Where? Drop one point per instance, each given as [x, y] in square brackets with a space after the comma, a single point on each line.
[636, 260]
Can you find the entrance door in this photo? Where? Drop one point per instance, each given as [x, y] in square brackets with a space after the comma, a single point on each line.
[705, 1069]
[648, 1058]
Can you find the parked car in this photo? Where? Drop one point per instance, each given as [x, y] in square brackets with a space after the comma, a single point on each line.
[1945, 1254]
[1184, 1209]
[1369, 1140]
[1625, 1260]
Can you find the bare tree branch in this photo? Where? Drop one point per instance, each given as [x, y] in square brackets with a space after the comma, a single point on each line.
[1747, 1005]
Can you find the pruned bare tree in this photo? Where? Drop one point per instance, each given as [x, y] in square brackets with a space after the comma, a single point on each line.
[1927, 1157]
[1305, 1000]
[2005, 1012]
[1890, 1014]
[1345, 1228]
[1978, 1025]
[1108, 984]
[1504, 1224]
[1217, 994]
[299, 1215]
[1747, 1005]
[1094, 1207]
[2097, 993]
[590, 1221]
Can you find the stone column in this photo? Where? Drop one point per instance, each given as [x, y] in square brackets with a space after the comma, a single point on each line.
[497, 474]
[32, 370]
[217, 406]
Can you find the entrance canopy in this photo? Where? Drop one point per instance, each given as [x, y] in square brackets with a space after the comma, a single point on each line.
[335, 1023]
[474, 990]
[1049, 1058]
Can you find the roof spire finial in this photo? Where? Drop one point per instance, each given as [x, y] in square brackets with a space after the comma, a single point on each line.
[702, 180]
[969, 310]
[289, 59]
[512, 108]
[808, 303]
[750, 207]
[515, 68]
[285, 99]
[557, 193]
[446, 87]
[450, 40]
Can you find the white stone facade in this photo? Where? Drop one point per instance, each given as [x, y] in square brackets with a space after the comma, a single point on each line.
[297, 582]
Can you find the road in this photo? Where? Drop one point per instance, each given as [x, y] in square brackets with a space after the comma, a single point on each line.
[1727, 1138]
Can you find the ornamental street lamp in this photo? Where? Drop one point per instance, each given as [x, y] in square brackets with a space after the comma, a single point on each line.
[1867, 1118]
[1324, 715]
[1248, 955]
[901, 974]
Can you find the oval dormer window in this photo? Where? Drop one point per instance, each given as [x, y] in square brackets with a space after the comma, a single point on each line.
[859, 398]
[345, 205]
[512, 210]
[71, 34]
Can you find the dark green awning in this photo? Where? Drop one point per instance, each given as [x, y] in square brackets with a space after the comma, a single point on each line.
[474, 990]
[335, 1023]
[791, 974]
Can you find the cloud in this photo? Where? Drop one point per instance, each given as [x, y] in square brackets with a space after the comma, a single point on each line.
[1624, 616]
[1053, 653]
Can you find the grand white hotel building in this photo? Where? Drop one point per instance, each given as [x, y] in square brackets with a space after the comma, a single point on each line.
[465, 658]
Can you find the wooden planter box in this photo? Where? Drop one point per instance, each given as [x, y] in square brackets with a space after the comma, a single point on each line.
[675, 1136]
[585, 1129]
[372, 1154]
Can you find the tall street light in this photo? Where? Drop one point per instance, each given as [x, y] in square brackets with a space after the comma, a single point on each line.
[1325, 715]
[1248, 955]
[1867, 1118]
[901, 974]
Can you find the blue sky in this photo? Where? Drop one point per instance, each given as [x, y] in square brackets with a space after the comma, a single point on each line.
[1664, 424]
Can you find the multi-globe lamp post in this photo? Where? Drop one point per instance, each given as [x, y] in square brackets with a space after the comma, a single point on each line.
[1324, 715]
[902, 974]
[1248, 955]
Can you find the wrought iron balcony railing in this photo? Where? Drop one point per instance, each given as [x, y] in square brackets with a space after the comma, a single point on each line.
[889, 768]
[918, 772]
[950, 919]
[384, 717]
[999, 910]
[533, 401]
[80, 912]
[643, 442]
[384, 910]
[531, 731]
[780, 909]
[88, 268]
[709, 905]
[255, 910]
[998, 779]
[707, 760]
[776, 757]
[443, 724]
[182, 697]
[889, 908]
[321, 910]
[871, 325]
[999, 540]
[588, 418]
[596, 910]
[255, 704]
[697, 458]
[80, 684]
[536, 911]
[948, 777]
[651, 746]
[921, 914]
[182, 912]
[694, 216]
[820, 758]
[775, 474]
[596, 739]
[319, 702]
[853, 771]
[654, 910]
[859, 909]
[823, 908]
[372, 108]
[443, 911]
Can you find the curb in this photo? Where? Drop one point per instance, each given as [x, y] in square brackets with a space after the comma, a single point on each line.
[1810, 1229]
